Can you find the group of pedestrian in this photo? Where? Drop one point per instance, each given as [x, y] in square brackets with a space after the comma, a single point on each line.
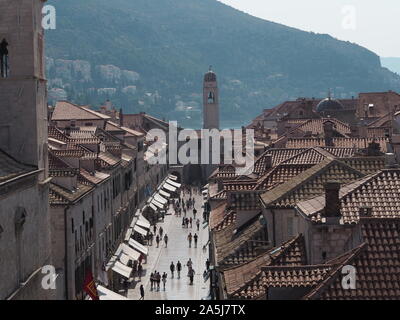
[159, 236]
[181, 205]
[156, 279]
[178, 269]
[195, 238]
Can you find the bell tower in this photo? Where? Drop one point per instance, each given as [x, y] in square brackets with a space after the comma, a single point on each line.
[210, 101]
[23, 95]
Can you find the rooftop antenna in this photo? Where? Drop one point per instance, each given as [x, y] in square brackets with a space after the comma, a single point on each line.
[210, 68]
[329, 94]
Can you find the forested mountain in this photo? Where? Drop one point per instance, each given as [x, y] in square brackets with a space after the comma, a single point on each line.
[151, 55]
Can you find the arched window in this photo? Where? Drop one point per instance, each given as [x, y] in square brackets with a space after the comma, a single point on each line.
[211, 98]
[4, 66]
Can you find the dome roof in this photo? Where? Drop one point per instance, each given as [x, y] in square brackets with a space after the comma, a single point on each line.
[210, 76]
[329, 104]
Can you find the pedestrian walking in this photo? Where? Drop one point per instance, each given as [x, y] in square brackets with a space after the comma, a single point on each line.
[178, 269]
[207, 265]
[155, 229]
[189, 264]
[195, 237]
[194, 213]
[158, 240]
[183, 222]
[198, 224]
[166, 240]
[190, 239]
[160, 230]
[191, 221]
[151, 281]
[141, 292]
[150, 238]
[172, 269]
[158, 277]
[164, 279]
[191, 275]
[139, 270]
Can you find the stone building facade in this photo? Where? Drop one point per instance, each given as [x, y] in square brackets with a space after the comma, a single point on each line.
[24, 183]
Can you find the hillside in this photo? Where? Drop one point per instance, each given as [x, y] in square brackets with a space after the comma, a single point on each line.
[151, 56]
[393, 64]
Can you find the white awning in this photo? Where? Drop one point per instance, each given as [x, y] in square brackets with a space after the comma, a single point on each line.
[140, 230]
[122, 269]
[106, 294]
[124, 258]
[143, 222]
[169, 187]
[171, 176]
[164, 194]
[157, 204]
[204, 192]
[128, 234]
[153, 207]
[139, 247]
[173, 183]
[133, 254]
[160, 199]
[111, 262]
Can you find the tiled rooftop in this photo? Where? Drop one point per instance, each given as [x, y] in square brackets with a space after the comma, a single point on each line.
[310, 183]
[380, 192]
[236, 247]
[377, 263]
[359, 143]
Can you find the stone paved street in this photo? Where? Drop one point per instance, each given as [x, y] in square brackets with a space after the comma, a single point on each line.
[178, 249]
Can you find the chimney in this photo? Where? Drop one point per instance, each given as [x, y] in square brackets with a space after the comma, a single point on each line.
[220, 185]
[268, 161]
[121, 118]
[374, 149]
[390, 160]
[332, 202]
[328, 133]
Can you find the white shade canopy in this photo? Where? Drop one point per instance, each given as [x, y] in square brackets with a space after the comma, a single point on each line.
[164, 194]
[160, 199]
[128, 234]
[137, 246]
[143, 222]
[122, 269]
[133, 254]
[169, 187]
[106, 294]
[152, 206]
[157, 204]
[173, 183]
[172, 177]
[140, 230]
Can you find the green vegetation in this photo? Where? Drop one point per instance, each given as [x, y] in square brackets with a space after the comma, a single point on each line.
[171, 43]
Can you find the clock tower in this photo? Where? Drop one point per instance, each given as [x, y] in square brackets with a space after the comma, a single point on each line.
[210, 101]
[23, 95]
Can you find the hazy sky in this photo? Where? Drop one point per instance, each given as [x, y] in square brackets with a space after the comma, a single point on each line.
[373, 24]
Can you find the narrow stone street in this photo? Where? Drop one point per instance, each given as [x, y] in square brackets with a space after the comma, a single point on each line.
[178, 249]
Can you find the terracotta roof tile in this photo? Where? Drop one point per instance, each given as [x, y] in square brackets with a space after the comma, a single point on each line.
[310, 183]
[380, 192]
